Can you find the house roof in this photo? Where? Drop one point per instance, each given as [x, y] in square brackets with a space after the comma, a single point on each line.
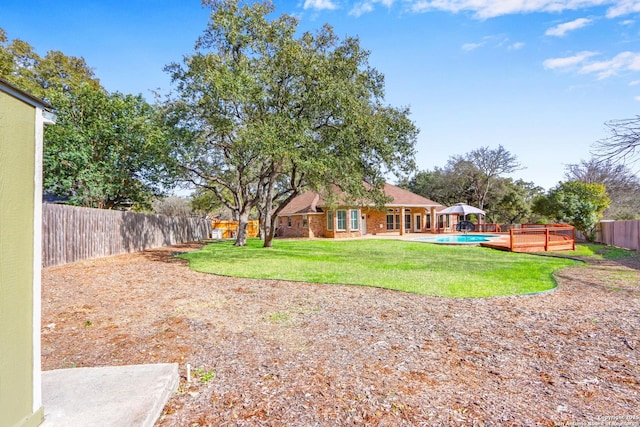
[312, 202]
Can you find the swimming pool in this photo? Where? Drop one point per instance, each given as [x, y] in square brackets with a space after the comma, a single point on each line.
[460, 239]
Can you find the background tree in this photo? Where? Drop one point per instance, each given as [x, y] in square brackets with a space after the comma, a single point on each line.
[23, 67]
[483, 166]
[623, 187]
[575, 203]
[623, 143]
[261, 115]
[447, 186]
[172, 206]
[105, 151]
[206, 204]
[513, 201]
[474, 178]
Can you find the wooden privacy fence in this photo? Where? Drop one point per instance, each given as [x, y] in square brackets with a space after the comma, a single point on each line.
[623, 234]
[71, 233]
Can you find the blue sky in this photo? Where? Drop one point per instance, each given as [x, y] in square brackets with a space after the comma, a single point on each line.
[539, 77]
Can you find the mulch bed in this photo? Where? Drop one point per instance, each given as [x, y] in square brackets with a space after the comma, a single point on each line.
[274, 353]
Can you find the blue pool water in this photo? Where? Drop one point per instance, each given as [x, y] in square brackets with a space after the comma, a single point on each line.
[459, 238]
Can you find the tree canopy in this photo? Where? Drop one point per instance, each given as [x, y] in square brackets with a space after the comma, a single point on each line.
[106, 149]
[23, 67]
[475, 178]
[576, 203]
[622, 185]
[261, 114]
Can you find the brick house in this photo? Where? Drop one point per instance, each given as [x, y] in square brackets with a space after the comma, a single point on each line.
[309, 216]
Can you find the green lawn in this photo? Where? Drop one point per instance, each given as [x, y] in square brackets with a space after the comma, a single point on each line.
[423, 268]
[595, 250]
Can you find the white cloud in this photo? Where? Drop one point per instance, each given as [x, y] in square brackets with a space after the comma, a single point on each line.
[367, 6]
[484, 9]
[634, 83]
[320, 5]
[623, 7]
[625, 61]
[637, 98]
[468, 47]
[628, 22]
[495, 41]
[562, 29]
[568, 61]
[361, 8]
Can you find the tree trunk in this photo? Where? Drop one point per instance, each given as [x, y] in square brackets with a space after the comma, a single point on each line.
[243, 223]
[268, 218]
[268, 238]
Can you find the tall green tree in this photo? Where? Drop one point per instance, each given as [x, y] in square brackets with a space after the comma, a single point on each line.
[576, 203]
[261, 114]
[22, 66]
[105, 151]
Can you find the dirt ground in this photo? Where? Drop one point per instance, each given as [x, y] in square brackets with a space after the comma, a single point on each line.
[276, 353]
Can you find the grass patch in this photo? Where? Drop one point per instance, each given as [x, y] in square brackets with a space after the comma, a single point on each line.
[599, 251]
[450, 271]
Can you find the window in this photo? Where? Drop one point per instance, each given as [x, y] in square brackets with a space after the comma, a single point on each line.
[407, 221]
[393, 221]
[305, 221]
[341, 217]
[427, 221]
[354, 219]
[389, 221]
[289, 221]
[329, 220]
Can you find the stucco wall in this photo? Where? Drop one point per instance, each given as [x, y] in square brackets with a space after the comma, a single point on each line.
[17, 182]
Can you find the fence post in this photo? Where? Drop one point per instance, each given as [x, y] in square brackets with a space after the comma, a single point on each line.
[546, 239]
[511, 246]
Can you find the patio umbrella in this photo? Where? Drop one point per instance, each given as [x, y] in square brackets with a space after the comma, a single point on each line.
[461, 209]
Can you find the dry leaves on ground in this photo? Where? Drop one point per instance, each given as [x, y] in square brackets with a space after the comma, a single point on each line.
[273, 353]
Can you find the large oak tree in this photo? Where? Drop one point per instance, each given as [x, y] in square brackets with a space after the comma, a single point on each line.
[261, 114]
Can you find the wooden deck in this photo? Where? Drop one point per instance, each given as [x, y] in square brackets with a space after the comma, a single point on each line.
[537, 239]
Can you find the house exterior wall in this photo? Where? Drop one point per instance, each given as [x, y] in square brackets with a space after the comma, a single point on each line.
[20, 145]
[301, 226]
[375, 220]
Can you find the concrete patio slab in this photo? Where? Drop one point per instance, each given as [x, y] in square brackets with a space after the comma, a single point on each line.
[117, 396]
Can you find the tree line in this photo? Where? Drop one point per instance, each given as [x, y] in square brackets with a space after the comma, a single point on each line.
[260, 113]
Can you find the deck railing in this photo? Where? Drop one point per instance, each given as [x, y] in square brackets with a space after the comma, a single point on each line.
[545, 237]
[488, 228]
